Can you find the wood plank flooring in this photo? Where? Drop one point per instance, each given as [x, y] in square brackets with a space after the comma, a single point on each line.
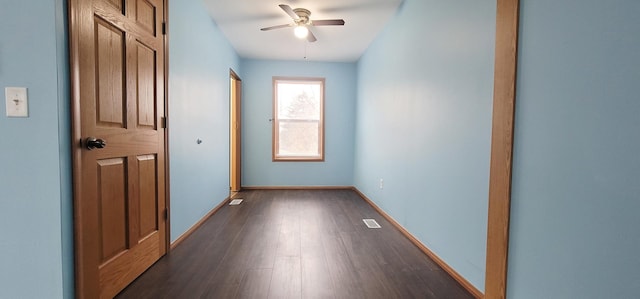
[295, 244]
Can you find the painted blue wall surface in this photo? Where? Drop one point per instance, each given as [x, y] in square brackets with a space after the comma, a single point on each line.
[576, 172]
[425, 95]
[199, 62]
[36, 243]
[258, 169]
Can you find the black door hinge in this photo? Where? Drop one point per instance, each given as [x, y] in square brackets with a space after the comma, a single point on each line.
[165, 214]
[163, 122]
[164, 28]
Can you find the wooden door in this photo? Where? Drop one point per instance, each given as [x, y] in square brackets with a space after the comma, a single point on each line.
[234, 124]
[118, 96]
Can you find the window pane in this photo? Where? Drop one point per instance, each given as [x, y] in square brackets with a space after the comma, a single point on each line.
[299, 101]
[298, 119]
[298, 139]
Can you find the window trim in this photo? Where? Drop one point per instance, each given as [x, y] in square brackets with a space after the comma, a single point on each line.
[275, 124]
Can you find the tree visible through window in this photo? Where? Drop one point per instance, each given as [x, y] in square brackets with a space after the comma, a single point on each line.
[298, 105]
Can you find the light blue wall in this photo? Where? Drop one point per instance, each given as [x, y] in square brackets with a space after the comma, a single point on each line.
[199, 62]
[340, 93]
[576, 172]
[424, 126]
[36, 243]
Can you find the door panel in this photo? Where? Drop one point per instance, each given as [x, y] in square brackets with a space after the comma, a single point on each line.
[110, 102]
[146, 97]
[118, 96]
[117, 4]
[121, 271]
[148, 207]
[146, 15]
[112, 209]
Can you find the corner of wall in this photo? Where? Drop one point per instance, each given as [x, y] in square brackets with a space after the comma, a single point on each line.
[64, 137]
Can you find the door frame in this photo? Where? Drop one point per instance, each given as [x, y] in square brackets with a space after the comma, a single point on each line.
[76, 133]
[502, 135]
[167, 173]
[235, 136]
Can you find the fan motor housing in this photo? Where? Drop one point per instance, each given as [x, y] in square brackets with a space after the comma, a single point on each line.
[303, 14]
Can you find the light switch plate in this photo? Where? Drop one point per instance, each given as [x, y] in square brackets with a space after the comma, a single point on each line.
[17, 102]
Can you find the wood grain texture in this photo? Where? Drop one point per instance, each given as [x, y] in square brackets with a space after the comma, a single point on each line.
[235, 128]
[147, 194]
[164, 119]
[146, 15]
[112, 207]
[118, 273]
[110, 73]
[117, 75]
[295, 244]
[502, 148]
[146, 92]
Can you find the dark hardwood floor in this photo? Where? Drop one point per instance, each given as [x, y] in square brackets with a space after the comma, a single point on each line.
[295, 244]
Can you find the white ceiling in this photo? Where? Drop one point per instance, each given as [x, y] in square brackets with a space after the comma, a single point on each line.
[240, 21]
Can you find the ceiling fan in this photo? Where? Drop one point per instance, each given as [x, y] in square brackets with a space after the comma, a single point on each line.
[302, 23]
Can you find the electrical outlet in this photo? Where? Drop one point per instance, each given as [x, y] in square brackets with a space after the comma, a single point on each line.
[381, 184]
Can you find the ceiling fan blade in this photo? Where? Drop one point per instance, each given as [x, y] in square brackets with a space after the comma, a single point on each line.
[276, 27]
[289, 11]
[311, 38]
[339, 22]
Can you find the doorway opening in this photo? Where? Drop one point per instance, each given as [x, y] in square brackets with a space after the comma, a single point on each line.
[235, 96]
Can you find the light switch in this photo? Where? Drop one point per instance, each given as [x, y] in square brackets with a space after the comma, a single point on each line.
[17, 102]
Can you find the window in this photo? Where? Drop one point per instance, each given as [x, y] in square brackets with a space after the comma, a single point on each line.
[298, 119]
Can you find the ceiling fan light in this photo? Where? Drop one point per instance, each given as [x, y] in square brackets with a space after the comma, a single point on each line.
[301, 31]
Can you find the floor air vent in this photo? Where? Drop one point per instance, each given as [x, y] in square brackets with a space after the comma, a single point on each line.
[235, 202]
[371, 223]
